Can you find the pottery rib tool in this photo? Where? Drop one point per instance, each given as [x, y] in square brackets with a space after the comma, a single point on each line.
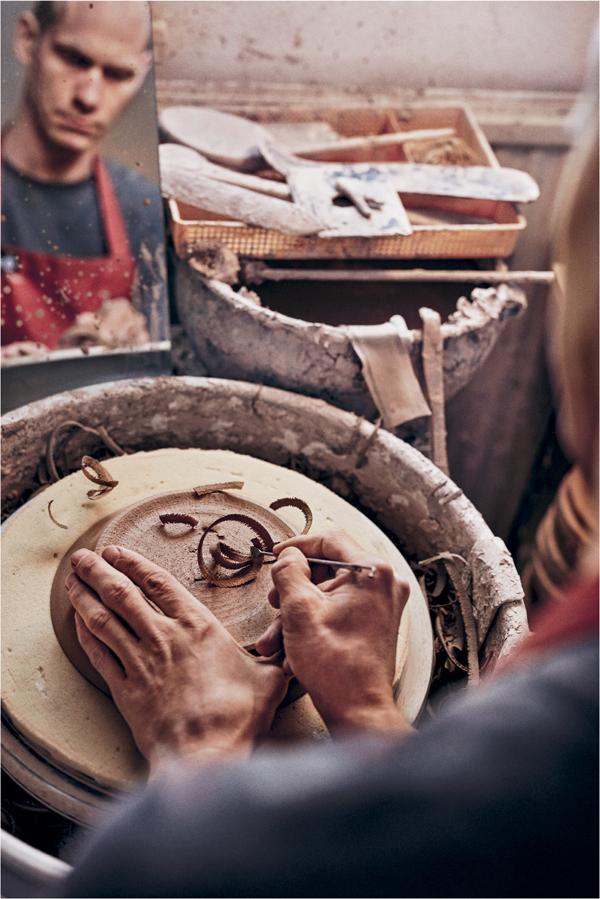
[376, 211]
[223, 138]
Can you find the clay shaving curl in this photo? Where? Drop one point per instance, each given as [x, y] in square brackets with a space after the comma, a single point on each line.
[53, 519]
[205, 489]
[101, 477]
[224, 556]
[178, 518]
[228, 557]
[297, 504]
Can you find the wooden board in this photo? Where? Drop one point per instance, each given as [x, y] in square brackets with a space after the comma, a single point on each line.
[182, 179]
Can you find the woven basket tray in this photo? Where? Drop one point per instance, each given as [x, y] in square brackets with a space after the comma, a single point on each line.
[496, 237]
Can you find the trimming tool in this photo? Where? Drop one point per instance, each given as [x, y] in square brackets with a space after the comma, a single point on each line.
[353, 566]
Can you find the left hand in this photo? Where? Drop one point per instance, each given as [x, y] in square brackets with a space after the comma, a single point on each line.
[21, 348]
[116, 324]
[181, 682]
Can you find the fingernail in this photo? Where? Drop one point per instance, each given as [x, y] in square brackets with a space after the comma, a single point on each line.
[71, 581]
[78, 555]
[111, 554]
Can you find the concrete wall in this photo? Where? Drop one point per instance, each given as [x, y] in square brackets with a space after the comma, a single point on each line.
[510, 45]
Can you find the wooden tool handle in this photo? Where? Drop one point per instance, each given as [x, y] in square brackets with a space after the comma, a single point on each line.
[375, 140]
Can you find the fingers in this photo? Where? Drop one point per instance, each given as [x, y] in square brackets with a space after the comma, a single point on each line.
[115, 575]
[99, 622]
[99, 655]
[271, 641]
[334, 544]
[294, 592]
[112, 590]
[157, 584]
[287, 667]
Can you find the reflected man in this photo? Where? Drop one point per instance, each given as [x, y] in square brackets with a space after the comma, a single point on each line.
[82, 238]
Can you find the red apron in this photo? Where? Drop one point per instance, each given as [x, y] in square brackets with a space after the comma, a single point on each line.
[45, 292]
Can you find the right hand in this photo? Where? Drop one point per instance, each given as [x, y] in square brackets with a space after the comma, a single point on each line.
[339, 633]
[21, 348]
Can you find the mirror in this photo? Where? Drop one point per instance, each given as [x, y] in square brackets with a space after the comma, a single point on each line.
[84, 287]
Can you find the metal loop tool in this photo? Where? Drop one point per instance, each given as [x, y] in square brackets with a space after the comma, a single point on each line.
[352, 566]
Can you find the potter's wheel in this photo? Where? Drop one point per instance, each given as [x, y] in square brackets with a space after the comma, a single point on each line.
[68, 745]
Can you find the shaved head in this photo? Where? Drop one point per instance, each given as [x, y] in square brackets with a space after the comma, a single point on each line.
[50, 12]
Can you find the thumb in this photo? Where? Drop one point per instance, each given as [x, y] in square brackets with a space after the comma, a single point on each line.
[296, 592]
[290, 570]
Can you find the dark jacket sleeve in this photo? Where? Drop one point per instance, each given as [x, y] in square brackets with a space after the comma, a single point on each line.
[498, 796]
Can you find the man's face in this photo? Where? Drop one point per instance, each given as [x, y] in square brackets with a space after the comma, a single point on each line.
[84, 70]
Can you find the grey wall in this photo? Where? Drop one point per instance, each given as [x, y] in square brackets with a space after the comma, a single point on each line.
[505, 45]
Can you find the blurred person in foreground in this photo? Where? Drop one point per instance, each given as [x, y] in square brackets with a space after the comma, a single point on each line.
[497, 796]
[82, 235]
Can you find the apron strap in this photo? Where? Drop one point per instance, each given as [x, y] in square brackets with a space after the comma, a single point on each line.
[113, 222]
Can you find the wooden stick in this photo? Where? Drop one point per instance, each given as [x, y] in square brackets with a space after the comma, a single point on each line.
[252, 182]
[433, 369]
[264, 272]
[375, 140]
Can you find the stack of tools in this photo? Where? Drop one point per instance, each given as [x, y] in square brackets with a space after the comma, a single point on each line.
[338, 188]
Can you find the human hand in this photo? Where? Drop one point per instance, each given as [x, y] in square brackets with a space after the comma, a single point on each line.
[181, 682]
[21, 348]
[116, 324]
[339, 633]
[121, 325]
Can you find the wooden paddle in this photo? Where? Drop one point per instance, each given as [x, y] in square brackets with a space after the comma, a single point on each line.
[221, 173]
[182, 178]
[223, 138]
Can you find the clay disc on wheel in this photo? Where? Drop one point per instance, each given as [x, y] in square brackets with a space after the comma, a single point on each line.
[244, 610]
[52, 706]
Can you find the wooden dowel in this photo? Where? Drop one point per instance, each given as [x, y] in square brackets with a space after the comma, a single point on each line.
[433, 369]
[368, 141]
[419, 274]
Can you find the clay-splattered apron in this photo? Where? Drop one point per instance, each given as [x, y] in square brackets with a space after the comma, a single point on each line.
[43, 293]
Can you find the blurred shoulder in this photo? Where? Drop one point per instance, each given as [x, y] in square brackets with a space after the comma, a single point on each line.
[130, 185]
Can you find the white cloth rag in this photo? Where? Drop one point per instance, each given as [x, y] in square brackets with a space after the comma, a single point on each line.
[384, 352]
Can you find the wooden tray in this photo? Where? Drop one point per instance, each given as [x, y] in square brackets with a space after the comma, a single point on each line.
[461, 228]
